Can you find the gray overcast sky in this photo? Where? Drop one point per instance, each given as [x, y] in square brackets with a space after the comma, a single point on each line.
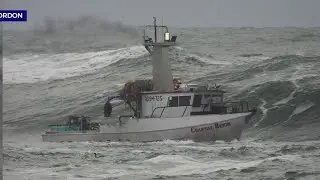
[258, 13]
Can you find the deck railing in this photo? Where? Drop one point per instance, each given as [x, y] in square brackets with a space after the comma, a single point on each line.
[164, 107]
[236, 107]
[224, 108]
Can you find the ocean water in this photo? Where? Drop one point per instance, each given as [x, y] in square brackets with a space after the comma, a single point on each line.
[65, 68]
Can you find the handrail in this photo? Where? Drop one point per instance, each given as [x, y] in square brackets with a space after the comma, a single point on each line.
[184, 111]
[162, 112]
[241, 106]
[163, 108]
[229, 107]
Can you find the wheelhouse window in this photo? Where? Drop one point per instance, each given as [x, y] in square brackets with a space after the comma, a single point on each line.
[173, 101]
[197, 101]
[176, 101]
[184, 100]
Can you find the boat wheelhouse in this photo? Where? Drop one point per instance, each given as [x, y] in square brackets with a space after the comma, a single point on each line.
[152, 104]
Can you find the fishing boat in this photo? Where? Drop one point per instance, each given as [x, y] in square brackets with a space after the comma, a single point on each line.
[164, 108]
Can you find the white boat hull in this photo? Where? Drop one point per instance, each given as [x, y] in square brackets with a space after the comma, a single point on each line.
[225, 127]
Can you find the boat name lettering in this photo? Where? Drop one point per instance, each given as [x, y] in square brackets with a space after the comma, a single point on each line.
[207, 128]
[153, 98]
[210, 128]
[222, 125]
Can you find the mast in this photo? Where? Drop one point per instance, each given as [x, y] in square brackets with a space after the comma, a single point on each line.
[155, 29]
[159, 50]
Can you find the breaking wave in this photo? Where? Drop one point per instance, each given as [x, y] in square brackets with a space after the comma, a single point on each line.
[30, 68]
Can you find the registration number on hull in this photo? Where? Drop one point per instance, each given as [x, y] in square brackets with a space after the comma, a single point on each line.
[153, 98]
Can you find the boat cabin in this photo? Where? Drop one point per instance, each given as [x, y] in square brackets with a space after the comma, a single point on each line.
[186, 100]
[179, 104]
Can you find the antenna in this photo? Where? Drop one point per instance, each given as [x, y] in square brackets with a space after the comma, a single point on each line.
[155, 29]
[162, 26]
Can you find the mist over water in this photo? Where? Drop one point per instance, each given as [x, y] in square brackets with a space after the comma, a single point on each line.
[64, 67]
[86, 33]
